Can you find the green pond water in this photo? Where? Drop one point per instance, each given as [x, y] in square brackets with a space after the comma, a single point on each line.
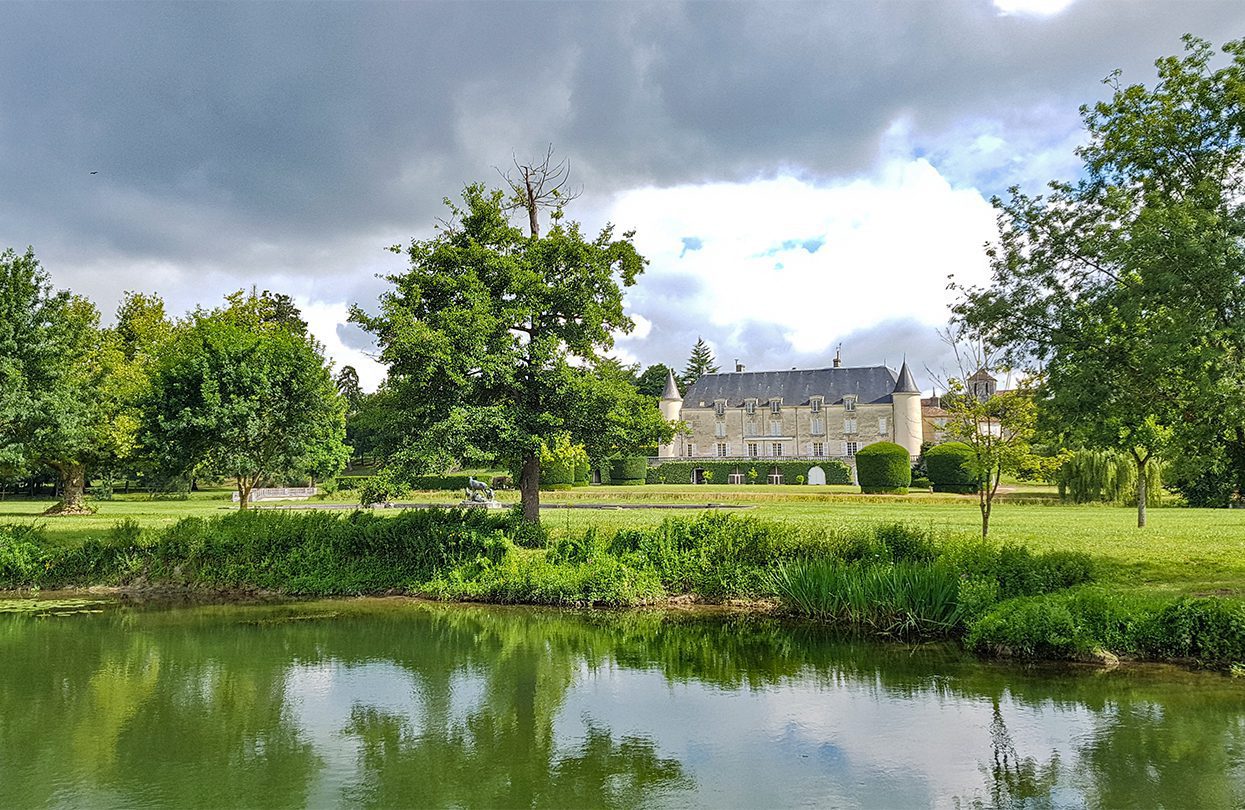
[396, 703]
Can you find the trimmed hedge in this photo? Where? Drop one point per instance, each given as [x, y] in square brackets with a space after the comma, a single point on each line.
[583, 472]
[440, 482]
[883, 468]
[680, 472]
[951, 467]
[628, 470]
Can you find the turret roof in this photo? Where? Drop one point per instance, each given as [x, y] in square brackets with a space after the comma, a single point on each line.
[672, 388]
[905, 384]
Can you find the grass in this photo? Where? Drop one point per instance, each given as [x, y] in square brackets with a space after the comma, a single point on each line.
[1181, 552]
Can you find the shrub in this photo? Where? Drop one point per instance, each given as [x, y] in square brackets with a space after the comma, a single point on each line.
[905, 543]
[376, 489]
[559, 462]
[920, 483]
[628, 470]
[21, 556]
[883, 467]
[1029, 628]
[952, 467]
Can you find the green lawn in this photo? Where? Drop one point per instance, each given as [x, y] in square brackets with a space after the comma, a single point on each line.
[1183, 550]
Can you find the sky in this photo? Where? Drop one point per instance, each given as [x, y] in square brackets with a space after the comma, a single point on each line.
[799, 176]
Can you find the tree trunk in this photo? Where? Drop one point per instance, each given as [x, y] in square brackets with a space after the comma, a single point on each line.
[244, 493]
[529, 487]
[533, 218]
[1141, 492]
[73, 490]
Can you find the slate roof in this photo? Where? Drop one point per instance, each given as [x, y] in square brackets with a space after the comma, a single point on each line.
[870, 384]
[672, 390]
[905, 384]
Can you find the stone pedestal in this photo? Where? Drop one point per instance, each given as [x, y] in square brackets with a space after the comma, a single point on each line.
[470, 504]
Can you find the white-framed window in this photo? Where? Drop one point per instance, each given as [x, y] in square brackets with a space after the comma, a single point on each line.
[719, 430]
[750, 428]
[850, 448]
[735, 478]
[819, 449]
[817, 426]
[882, 426]
[849, 425]
[721, 449]
[719, 407]
[775, 427]
[775, 405]
[691, 450]
[752, 450]
[750, 406]
[849, 403]
[814, 404]
[777, 448]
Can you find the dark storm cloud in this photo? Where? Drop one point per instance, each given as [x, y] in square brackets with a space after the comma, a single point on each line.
[291, 142]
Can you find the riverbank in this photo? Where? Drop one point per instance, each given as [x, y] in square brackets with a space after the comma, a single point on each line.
[889, 579]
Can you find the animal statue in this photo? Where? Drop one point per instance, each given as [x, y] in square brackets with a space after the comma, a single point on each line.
[478, 490]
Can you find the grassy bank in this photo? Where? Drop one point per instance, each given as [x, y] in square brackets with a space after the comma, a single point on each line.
[1182, 552]
[902, 579]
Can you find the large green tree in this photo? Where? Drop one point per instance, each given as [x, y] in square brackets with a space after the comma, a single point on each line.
[58, 402]
[493, 335]
[245, 392]
[1125, 289]
[652, 382]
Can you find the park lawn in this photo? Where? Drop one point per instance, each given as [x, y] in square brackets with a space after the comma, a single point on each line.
[1182, 551]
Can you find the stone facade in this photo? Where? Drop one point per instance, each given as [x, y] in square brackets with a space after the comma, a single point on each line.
[810, 413]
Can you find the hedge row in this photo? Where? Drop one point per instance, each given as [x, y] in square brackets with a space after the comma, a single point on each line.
[680, 472]
[440, 482]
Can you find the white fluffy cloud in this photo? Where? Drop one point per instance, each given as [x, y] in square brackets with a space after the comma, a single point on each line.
[819, 260]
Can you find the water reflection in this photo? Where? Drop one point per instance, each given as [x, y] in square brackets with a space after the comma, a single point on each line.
[389, 703]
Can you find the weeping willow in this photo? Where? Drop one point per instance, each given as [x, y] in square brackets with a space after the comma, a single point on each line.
[1106, 476]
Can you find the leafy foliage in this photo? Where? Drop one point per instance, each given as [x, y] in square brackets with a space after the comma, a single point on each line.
[491, 338]
[241, 392]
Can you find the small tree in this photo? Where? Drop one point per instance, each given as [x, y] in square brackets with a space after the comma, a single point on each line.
[997, 427]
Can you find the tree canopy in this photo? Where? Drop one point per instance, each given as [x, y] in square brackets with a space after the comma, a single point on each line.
[244, 392]
[494, 340]
[1125, 290]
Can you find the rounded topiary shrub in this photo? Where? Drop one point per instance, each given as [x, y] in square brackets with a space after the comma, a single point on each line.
[952, 467]
[883, 468]
[628, 470]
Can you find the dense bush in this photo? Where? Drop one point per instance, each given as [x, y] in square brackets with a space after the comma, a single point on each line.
[883, 467]
[628, 470]
[1071, 624]
[952, 467]
[1208, 482]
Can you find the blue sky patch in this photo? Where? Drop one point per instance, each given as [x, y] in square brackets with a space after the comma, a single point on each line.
[691, 243]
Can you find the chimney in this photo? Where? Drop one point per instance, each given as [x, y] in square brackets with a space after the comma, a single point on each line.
[738, 366]
[838, 356]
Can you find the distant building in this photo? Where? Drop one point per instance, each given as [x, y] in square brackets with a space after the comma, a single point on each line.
[934, 419]
[801, 413]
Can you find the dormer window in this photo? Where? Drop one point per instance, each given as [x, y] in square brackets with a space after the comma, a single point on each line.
[849, 403]
[750, 406]
[719, 407]
[775, 406]
[814, 404]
